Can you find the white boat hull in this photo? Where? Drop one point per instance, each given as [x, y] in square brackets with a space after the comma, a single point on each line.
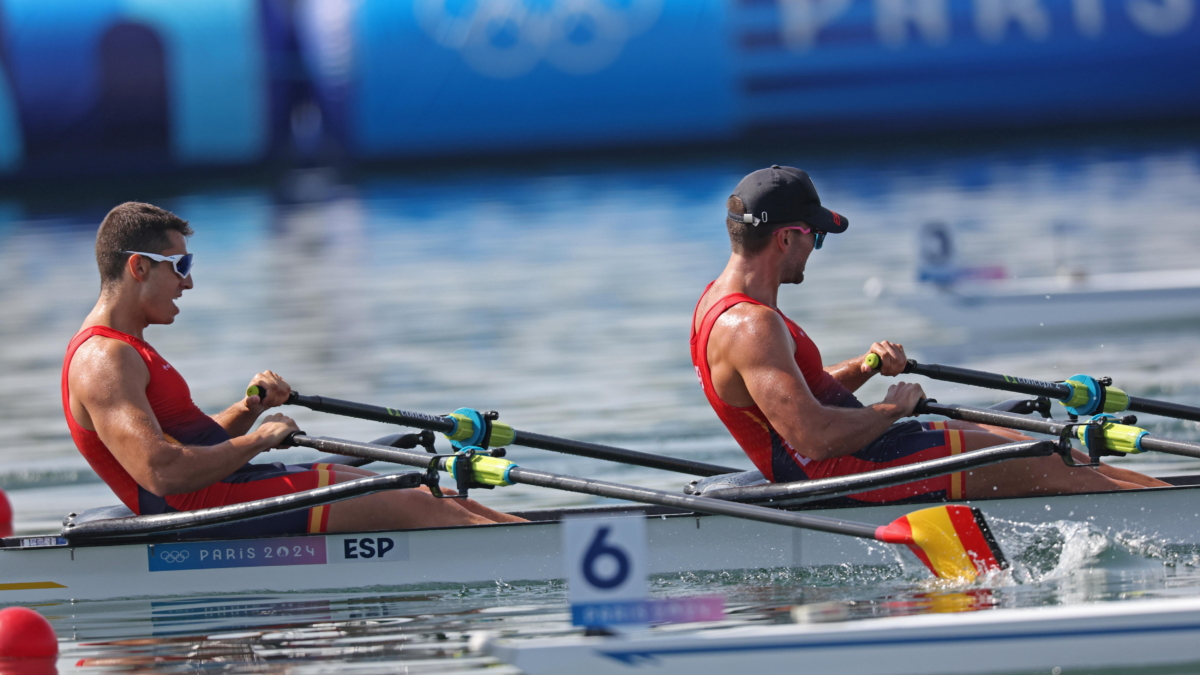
[522, 552]
[1018, 306]
[1046, 639]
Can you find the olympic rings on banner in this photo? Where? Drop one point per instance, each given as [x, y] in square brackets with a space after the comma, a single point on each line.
[173, 556]
[508, 38]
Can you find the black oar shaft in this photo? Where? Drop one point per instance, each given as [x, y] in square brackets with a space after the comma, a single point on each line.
[1054, 390]
[979, 378]
[364, 411]
[606, 489]
[524, 438]
[613, 454]
[1042, 426]
[1164, 408]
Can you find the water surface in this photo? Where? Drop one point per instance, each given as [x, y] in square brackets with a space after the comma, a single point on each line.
[561, 297]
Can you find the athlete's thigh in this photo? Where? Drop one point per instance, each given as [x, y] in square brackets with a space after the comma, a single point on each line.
[396, 509]
[1009, 435]
[1034, 476]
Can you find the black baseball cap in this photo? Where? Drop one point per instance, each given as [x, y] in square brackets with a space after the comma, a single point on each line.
[781, 195]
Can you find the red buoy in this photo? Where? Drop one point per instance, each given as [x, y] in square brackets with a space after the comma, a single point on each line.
[24, 634]
[5, 516]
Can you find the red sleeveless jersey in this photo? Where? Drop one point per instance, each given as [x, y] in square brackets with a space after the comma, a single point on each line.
[171, 402]
[748, 425]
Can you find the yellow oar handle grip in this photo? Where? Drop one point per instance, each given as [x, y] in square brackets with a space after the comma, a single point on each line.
[486, 470]
[256, 390]
[873, 361]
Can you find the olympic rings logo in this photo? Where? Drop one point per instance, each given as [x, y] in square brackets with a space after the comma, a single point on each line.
[508, 38]
[173, 556]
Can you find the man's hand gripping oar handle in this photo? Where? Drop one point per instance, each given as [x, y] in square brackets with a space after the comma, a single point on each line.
[455, 426]
[874, 362]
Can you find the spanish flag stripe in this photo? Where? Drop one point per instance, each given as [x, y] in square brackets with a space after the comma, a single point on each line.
[933, 527]
[318, 516]
[957, 443]
[971, 536]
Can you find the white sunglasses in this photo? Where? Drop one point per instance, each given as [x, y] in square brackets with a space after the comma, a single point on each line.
[181, 263]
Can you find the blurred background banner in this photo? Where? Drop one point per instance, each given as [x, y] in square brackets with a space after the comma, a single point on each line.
[115, 86]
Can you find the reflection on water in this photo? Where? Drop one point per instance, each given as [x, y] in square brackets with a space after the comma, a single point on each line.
[562, 300]
[438, 630]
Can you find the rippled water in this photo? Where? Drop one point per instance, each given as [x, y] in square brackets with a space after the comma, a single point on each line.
[561, 297]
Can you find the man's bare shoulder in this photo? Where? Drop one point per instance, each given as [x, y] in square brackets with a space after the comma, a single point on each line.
[749, 327]
[102, 362]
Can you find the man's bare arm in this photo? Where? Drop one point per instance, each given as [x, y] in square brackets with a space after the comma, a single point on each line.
[849, 373]
[854, 373]
[108, 378]
[760, 351]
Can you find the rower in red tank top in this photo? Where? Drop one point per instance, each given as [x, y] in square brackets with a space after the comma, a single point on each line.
[780, 463]
[131, 413]
[182, 422]
[797, 419]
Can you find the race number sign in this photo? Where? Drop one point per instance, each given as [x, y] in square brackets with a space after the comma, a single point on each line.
[605, 559]
[606, 563]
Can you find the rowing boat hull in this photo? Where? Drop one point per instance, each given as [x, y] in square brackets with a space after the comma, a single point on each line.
[678, 543]
[1047, 639]
[1021, 305]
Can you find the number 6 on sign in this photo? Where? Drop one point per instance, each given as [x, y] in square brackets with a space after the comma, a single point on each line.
[605, 559]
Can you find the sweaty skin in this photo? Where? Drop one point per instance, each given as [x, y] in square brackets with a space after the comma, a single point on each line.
[750, 354]
[107, 394]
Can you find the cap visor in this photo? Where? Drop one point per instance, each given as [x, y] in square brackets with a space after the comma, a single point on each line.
[825, 220]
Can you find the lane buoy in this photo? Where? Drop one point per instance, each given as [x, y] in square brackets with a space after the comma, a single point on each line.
[26, 634]
[6, 528]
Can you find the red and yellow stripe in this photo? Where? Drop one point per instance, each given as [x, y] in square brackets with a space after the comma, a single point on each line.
[957, 442]
[318, 516]
[957, 480]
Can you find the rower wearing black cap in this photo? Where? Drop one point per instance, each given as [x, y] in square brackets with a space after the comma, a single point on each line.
[797, 419]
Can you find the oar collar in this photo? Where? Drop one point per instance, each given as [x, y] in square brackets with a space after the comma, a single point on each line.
[1090, 396]
[481, 430]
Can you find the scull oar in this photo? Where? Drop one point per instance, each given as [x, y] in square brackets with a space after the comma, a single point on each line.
[952, 540]
[1118, 438]
[461, 427]
[1081, 394]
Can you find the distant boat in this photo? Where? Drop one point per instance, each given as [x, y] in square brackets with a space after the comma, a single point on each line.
[1010, 305]
[979, 300]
